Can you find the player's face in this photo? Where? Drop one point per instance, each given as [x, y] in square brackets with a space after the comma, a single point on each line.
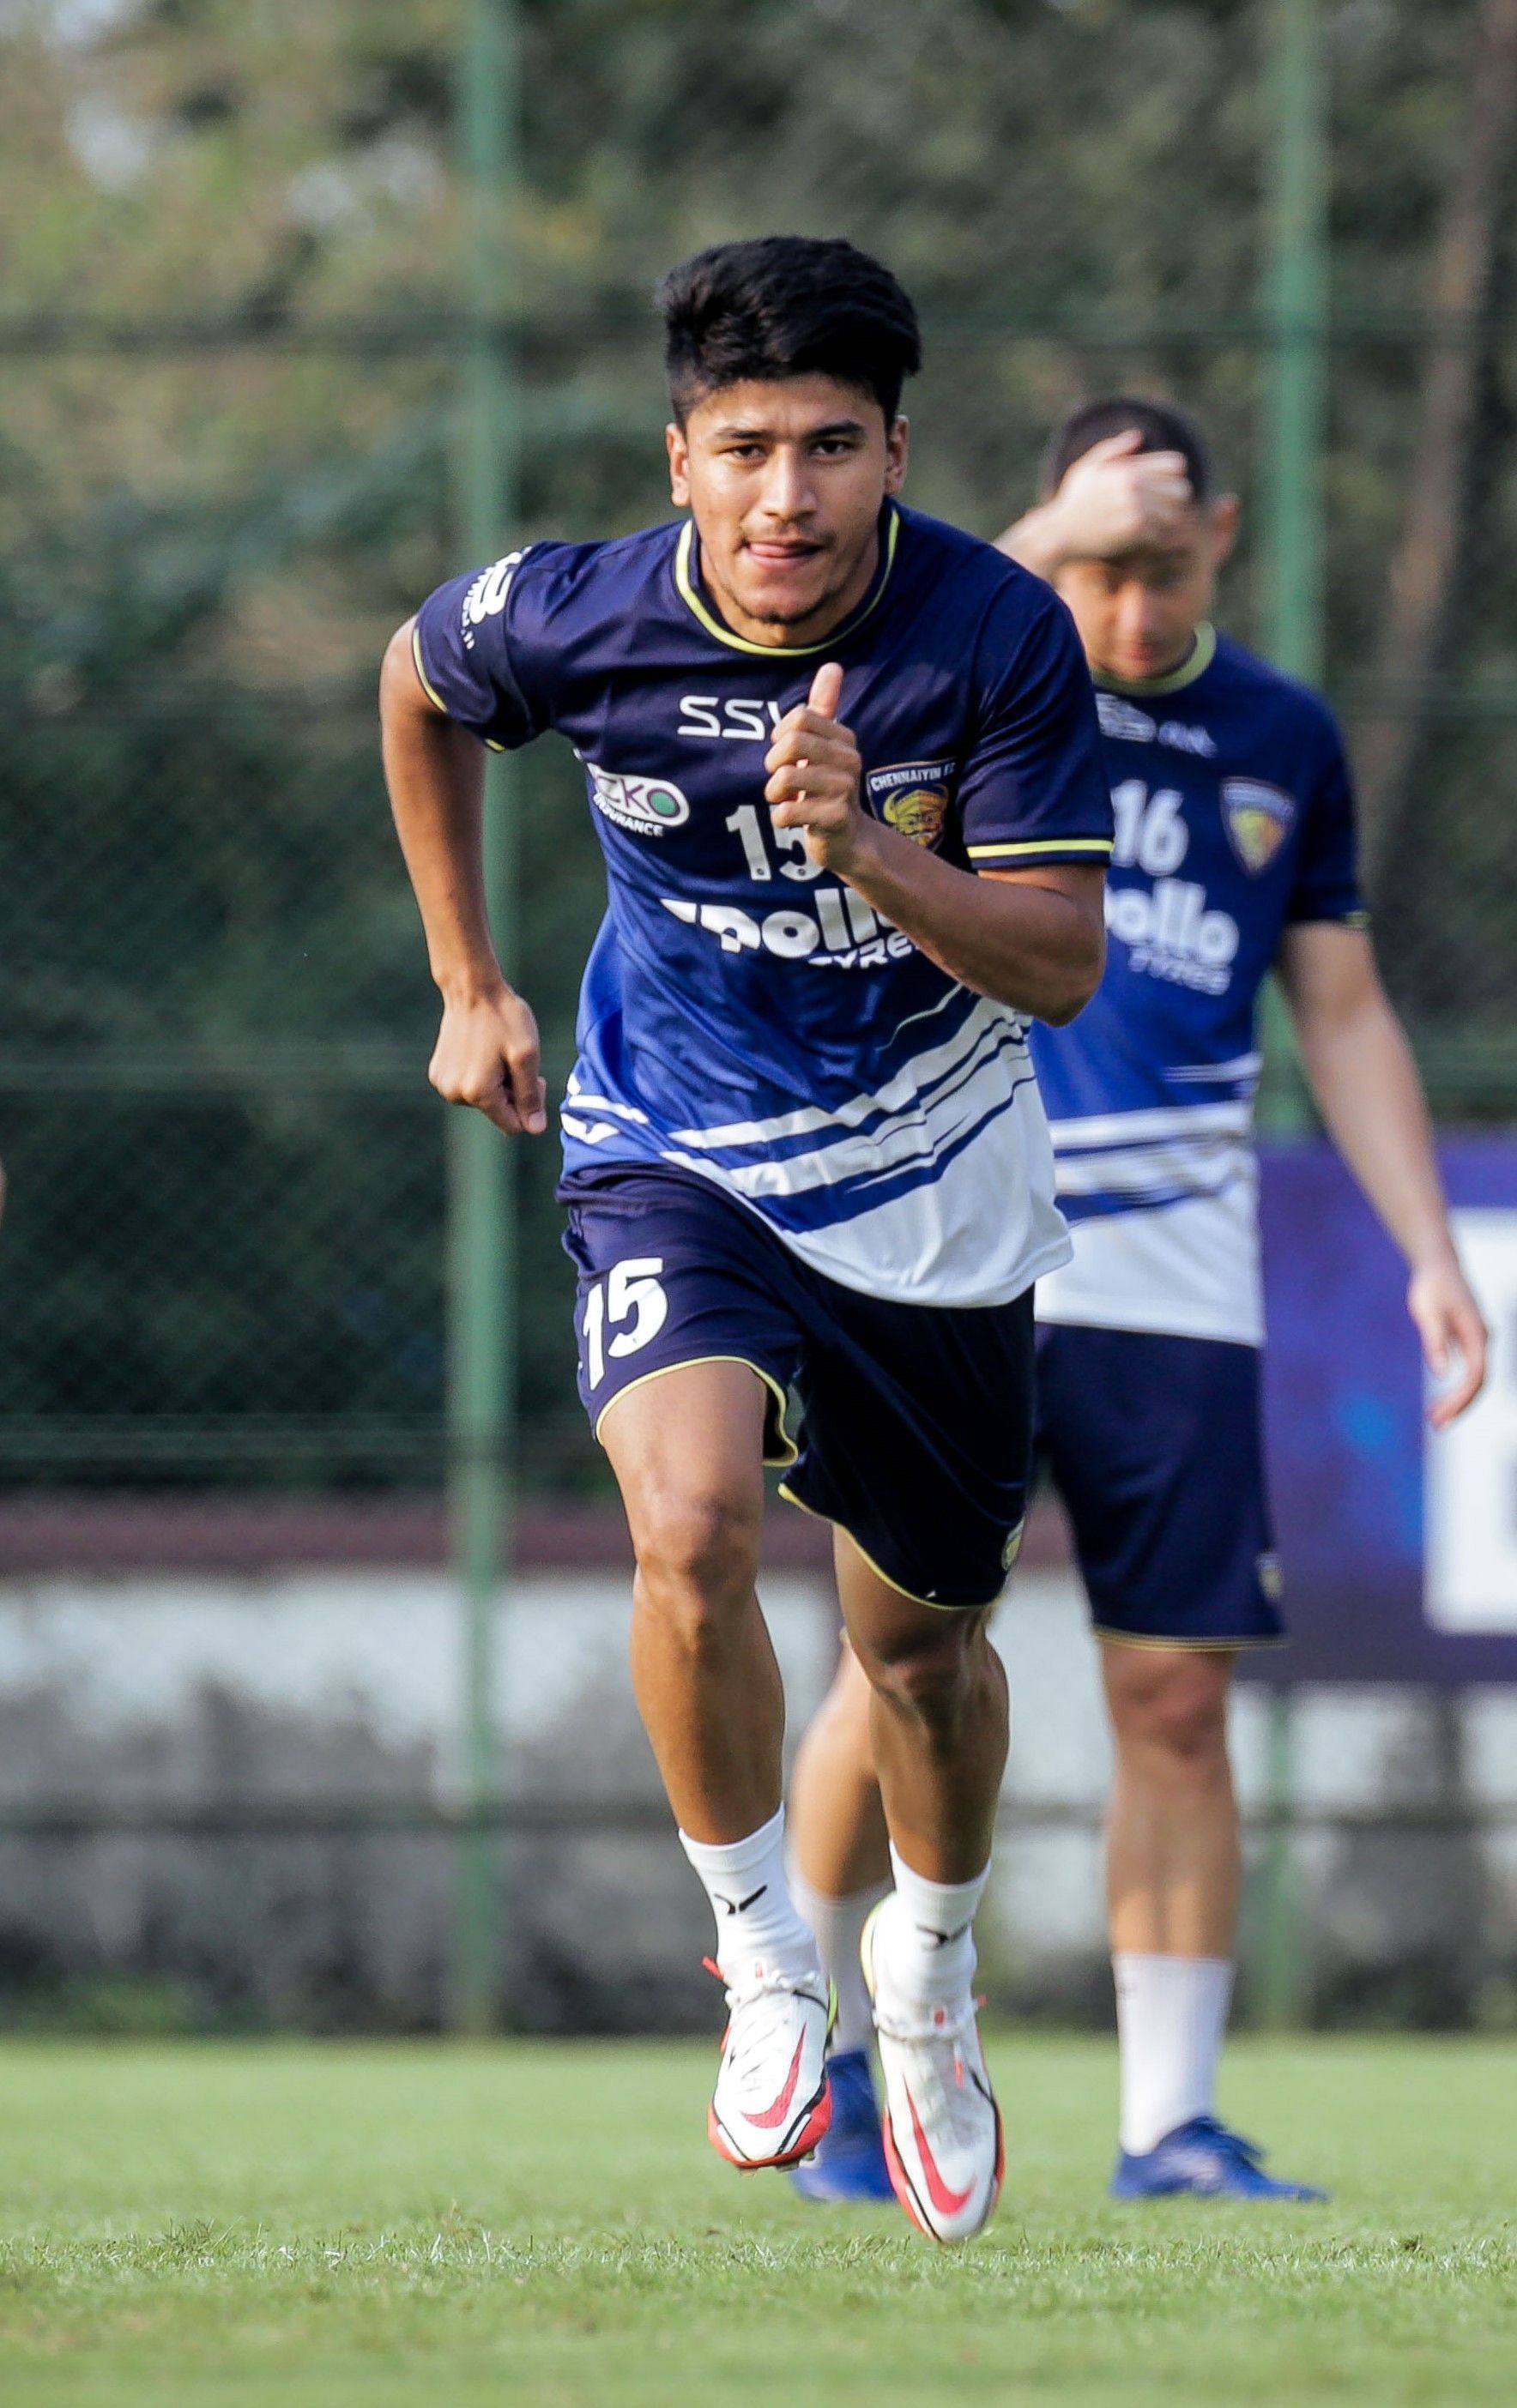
[785, 483]
[1137, 614]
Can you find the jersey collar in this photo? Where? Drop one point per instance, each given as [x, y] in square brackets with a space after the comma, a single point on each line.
[1202, 655]
[686, 576]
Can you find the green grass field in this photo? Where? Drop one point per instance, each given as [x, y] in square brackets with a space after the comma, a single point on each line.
[544, 2222]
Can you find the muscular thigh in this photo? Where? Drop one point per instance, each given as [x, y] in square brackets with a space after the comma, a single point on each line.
[687, 1450]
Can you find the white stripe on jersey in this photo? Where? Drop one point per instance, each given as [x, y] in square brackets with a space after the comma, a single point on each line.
[580, 1096]
[1165, 1121]
[905, 1092]
[1191, 1271]
[1176, 1247]
[934, 1241]
[1148, 1170]
[1243, 1068]
[935, 1122]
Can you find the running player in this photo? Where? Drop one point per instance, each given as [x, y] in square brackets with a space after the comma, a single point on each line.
[1235, 852]
[845, 769]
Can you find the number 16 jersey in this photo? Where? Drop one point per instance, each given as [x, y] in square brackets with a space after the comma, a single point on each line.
[745, 1016]
[1233, 824]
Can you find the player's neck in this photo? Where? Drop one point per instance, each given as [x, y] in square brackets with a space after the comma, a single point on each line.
[818, 624]
[1189, 659]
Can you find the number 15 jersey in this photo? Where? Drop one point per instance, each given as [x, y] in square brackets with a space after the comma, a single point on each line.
[745, 1016]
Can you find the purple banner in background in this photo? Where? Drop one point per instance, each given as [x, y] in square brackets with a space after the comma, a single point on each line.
[1399, 1549]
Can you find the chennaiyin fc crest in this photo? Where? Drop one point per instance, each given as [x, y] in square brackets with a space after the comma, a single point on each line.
[913, 797]
[1259, 819]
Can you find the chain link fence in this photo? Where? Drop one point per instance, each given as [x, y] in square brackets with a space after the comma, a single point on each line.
[226, 477]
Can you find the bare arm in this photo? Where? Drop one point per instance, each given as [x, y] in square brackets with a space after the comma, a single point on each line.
[1033, 939]
[1116, 499]
[487, 1052]
[1362, 1076]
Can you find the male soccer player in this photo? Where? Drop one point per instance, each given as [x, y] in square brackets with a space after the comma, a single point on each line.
[1235, 852]
[845, 769]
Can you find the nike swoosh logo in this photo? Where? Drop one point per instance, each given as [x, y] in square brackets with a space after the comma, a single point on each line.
[941, 1938]
[777, 2114]
[741, 1905]
[946, 2203]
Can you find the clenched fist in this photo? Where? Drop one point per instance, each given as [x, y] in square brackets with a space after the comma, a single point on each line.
[488, 1056]
[814, 775]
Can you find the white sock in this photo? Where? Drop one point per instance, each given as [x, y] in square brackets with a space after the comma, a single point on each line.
[838, 1925]
[758, 1930]
[932, 1956]
[1172, 2014]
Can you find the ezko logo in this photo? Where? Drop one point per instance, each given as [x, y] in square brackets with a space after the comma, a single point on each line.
[643, 805]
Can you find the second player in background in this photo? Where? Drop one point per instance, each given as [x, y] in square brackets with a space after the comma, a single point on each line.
[1235, 855]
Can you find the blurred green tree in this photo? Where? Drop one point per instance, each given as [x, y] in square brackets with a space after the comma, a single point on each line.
[227, 367]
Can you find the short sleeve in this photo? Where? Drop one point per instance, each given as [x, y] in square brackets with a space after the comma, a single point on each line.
[1034, 787]
[1327, 882]
[474, 644]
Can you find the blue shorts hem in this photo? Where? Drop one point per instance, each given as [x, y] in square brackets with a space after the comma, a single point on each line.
[1187, 1644]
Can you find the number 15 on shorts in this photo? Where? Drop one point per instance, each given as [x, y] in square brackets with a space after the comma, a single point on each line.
[630, 1293]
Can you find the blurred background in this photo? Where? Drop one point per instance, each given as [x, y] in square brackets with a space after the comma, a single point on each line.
[312, 1588]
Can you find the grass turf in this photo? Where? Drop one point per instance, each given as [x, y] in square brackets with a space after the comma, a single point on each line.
[544, 2222]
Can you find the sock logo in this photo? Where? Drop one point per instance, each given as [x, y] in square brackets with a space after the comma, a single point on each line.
[941, 1938]
[741, 1905]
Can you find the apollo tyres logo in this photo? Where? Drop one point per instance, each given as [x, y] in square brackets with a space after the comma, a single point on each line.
[837, 930]
[1168, 928]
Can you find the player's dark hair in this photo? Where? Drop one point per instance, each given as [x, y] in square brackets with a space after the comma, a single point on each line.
[788, 305]
[1161, 427]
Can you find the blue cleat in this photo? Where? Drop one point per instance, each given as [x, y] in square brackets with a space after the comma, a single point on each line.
[848, 2164]
[1206, 2160]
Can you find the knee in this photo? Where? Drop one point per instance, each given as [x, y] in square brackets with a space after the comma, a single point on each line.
[1176, 1710]
[697, 1557]
[928, 1677]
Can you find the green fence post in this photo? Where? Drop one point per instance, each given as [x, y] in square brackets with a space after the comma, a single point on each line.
[1297, 302]
[482, 1250]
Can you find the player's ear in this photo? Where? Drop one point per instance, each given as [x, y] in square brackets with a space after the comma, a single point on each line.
[1225, 512]
[897, 446]
[676, 444]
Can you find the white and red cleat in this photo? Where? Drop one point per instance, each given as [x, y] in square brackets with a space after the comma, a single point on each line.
[941, 2126]
[772, 2103]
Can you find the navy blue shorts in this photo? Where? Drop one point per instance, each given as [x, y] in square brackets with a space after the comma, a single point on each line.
[914, 1421]
[1155, 1445]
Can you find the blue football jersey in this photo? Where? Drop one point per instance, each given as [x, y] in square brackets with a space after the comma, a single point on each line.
[744, 1016]
[1234, 819]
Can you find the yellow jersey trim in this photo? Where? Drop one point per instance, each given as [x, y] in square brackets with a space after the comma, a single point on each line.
[1102, 844]
[1183, 1646]
[434, 697]
[713, 625]
[788, 1449]
[430, 691]
[933, 1604]
[1187, 673]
